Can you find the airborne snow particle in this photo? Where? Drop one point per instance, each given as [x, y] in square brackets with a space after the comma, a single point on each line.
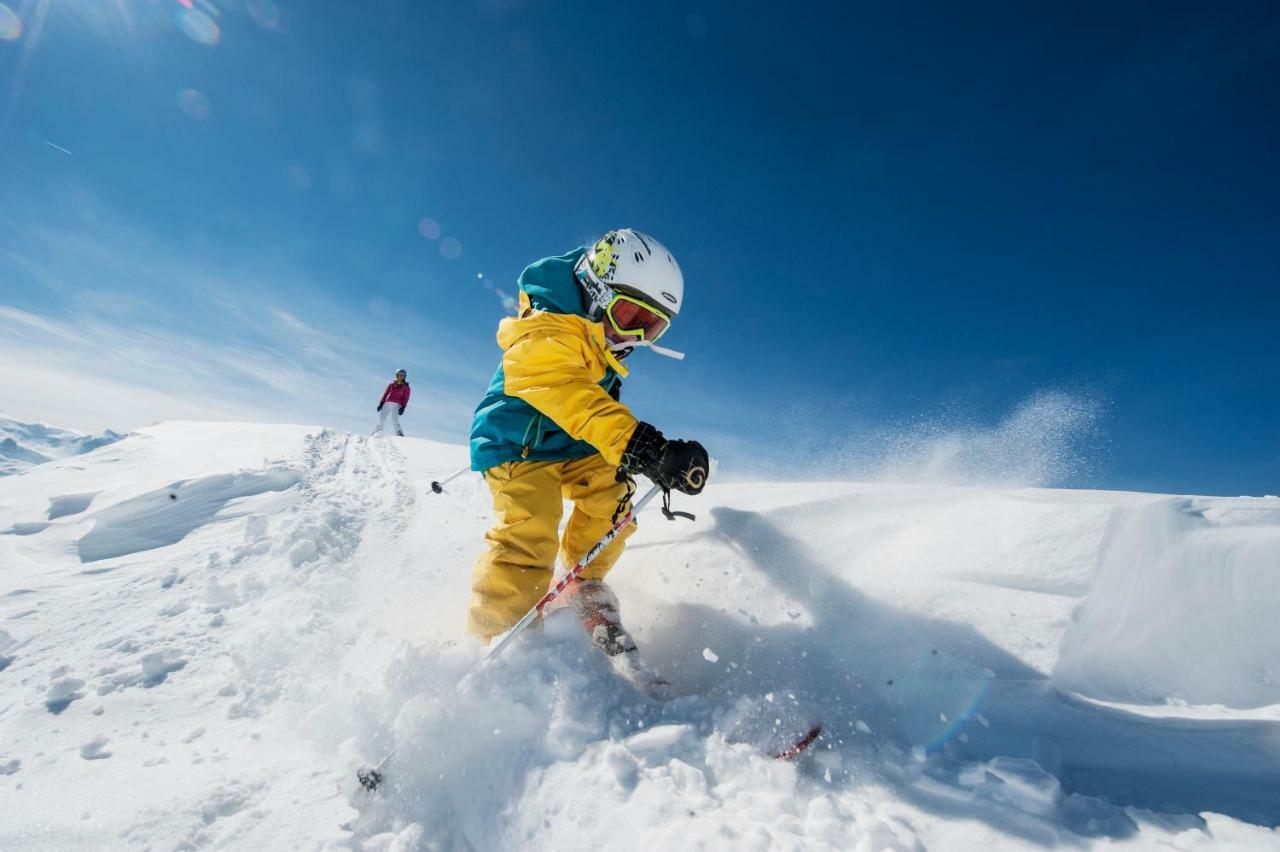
[710, 656]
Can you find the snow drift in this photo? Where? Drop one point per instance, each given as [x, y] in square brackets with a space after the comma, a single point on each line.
[1183, 607]
[205, 628]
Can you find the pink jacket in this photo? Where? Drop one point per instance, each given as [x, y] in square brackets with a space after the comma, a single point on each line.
[395, 394]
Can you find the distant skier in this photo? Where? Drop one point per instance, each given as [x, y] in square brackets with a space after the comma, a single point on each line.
[395, 399]
[551, 428]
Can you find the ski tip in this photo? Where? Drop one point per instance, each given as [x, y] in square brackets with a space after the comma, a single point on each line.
[794, 750]
[369, 779]
[437, 487]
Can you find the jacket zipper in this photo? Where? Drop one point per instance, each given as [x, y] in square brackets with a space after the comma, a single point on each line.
[524, 452]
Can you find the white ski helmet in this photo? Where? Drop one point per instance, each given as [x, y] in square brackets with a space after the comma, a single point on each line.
[630, 262]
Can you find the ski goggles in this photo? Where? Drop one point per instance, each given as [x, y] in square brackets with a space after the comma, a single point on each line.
[630, 317]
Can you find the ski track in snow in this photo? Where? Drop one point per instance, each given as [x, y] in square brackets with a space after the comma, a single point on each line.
[992, 668]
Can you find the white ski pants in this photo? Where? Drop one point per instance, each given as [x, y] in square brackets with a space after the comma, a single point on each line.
[390, 411]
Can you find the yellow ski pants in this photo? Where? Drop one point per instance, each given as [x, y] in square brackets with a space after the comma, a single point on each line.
[528, 497]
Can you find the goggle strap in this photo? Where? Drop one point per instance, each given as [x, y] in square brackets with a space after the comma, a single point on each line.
[601, 293]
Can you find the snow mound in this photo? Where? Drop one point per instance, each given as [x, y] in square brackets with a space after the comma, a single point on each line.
[206, 628]
[165, 516]
[25, 445]
[1183, 607]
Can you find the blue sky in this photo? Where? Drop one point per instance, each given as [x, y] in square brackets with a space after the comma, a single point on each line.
[947, 234]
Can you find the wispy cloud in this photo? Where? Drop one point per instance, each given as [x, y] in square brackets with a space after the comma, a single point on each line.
[119, 330]
[52, 145]
[290, 321]
[107, 374]
[31, 321]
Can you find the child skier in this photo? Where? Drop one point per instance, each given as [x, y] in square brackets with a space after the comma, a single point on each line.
[552, 428]
[395, 399]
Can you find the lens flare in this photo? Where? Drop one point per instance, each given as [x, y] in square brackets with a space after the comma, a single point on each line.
[451, 248]
[10, 24]
[696, 26]
[195, 104]
[265, 13]
[509, 302]
[198, 26]
[367, 137]
[429, 228]
[956, 725]
[298, 177]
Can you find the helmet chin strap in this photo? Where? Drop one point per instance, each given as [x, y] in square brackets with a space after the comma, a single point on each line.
[621, 349]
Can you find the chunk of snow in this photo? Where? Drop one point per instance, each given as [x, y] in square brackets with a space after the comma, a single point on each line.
[95, 749]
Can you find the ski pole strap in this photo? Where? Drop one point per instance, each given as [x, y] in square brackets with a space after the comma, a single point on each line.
[625, 501]
[667, 511]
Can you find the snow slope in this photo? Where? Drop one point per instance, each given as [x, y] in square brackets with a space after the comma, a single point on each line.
[205, 628]
[24, 445]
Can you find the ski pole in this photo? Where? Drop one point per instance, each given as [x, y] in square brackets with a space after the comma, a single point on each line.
[371, 778]
[438, 486]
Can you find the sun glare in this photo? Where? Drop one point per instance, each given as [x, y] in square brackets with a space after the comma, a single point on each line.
[10, 24]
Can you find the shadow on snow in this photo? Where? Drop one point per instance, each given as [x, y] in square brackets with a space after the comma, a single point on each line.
[942, 689]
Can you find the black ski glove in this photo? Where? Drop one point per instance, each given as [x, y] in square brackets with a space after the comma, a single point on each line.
[682, 465]
[379, 406]
[402, 409]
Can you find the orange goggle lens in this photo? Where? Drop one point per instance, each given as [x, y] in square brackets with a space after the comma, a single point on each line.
[635, 319]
